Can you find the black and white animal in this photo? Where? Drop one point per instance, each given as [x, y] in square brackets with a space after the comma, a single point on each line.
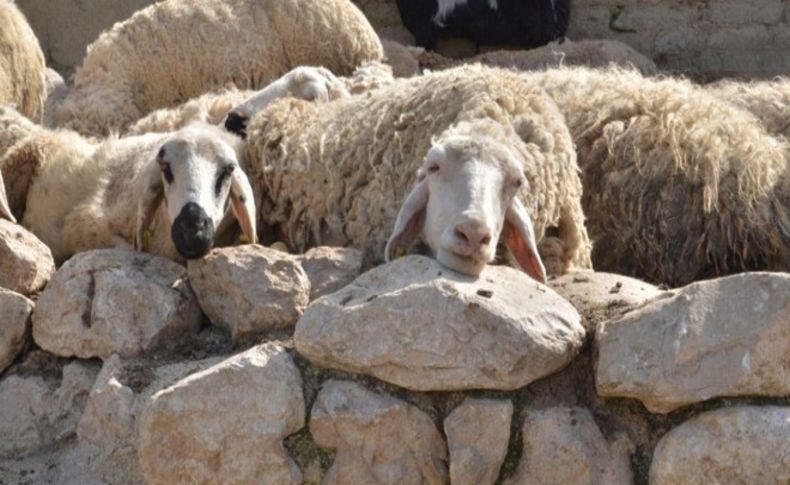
[526, 23]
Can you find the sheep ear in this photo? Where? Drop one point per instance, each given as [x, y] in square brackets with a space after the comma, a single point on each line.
[150, 193]
[243, 204]
[409, 223]
[5, 211]
[519, 237]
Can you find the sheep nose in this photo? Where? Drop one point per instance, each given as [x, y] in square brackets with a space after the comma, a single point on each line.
[237, 123]
[192, 232]
[473, 234]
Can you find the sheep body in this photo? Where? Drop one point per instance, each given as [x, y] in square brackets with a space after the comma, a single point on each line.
[678, 185]
[176, 50]
[769, 101]
[21, 63]
[337, 172]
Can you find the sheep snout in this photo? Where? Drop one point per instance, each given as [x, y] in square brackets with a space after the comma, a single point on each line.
[193, 232]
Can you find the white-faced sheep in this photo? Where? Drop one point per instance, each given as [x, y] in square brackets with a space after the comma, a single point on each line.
[336, 173]
[21, 63]
[176, 50]
[769, 101]
[165, 193]
[678, 184]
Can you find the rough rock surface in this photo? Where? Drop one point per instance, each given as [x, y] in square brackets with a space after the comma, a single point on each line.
[564, 445]
[722, 337]
[416, 324]
[739, 445]
[114, 301]
[14, 316]
[26, 263]
[250, 289]
[38, 411]
[225, 424]
[378, 438]
[330, 269]
[478, 433]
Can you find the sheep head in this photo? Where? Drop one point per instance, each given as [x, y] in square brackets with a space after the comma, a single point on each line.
[195, 173]
[465, 202]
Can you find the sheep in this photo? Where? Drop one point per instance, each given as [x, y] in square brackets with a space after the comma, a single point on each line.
[21, 63]
[769, 101]
[334, 173]
[165, 193]
[176, 50]
[678, 185]
[525, 23]
[56, 91]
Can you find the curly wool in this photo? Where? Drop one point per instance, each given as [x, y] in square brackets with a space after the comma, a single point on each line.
[22, 64]
[176, 50]
[337, 173]
[769, 101]
[678, 184]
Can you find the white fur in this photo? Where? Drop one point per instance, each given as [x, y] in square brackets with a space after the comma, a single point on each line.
[446, 7]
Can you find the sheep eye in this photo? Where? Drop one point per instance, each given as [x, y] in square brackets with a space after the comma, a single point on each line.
[433, 168]
[518, 183]
[166, 171]
[223, 175]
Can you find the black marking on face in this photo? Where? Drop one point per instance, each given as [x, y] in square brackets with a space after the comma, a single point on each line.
[167, 172]
[224, 174]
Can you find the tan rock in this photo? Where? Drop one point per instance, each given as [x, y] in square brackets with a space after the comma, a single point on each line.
[739, 445]
[26, 263]
[438, 330]
[378, 439]
[564, 445]
[723, 337]
[478, 433]
[330, 269]
[250, 289]
[225, 424]
[114, 301]
[14, 316]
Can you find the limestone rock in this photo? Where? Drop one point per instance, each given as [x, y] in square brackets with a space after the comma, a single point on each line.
[37, 411]
[747, 444]
[250, 289]
[114, 301]
[723, 337]
[378, 438]
[418, 325]
[14, 314]
[478, 433]
[225, 424]
[330, 269]
[564, 445]
[26, 263]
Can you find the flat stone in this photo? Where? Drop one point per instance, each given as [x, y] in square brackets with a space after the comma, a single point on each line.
[250, 289]
[378, 438]
[564, 445]
[744, 445]
[114, 301]
[724, 337]
[416, 324]
[225, 424]
[478, 433]
[26, 263]
[330, 269]
[15, 312]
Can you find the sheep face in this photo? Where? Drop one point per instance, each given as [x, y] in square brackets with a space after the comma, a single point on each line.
[195, 175]
[464, 204]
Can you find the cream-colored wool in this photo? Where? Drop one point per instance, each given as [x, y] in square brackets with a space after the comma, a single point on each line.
[176, 50]
[77, 194]
[21, 64]
[337, 173]
[769, 101]
[678, 184]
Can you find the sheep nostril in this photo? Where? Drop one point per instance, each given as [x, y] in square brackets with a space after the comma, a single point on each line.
[486, 240]
[461, 235]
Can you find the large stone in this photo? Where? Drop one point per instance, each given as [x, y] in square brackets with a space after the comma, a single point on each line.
[114, 301]
[743, 445]
[419, 325]
[330, 269]
[378, 438]
[26, 263]
[37, 411]
[478, 432]
[250, 289]
[564, 445]
[14, 316]
[225, 424]
[723, 337]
